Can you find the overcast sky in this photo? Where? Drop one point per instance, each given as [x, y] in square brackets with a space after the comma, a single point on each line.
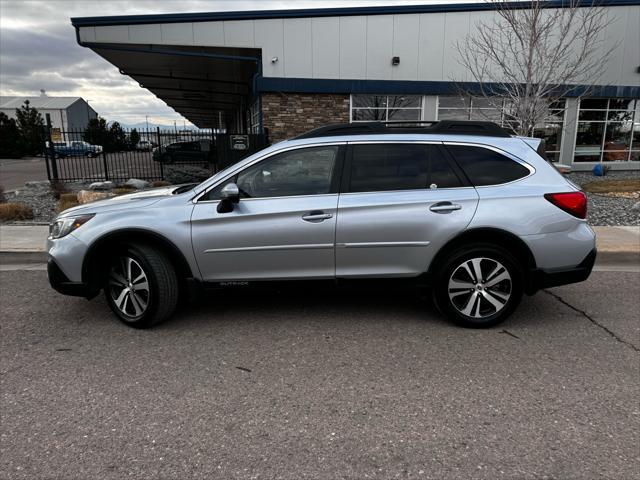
[38, 50]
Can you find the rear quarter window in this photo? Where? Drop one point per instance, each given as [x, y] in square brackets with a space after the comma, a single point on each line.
[486, 167]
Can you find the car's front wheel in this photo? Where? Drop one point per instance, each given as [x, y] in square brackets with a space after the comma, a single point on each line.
[141, 286]
[478, 286]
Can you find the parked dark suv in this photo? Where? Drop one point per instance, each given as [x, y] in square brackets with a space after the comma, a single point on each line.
[193, 151]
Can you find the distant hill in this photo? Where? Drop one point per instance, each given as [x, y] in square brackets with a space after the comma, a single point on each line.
[143, 126]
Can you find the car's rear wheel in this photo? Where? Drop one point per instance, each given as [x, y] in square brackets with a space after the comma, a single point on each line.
[141, 286]
[478, 286]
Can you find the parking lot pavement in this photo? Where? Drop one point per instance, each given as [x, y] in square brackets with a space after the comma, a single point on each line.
[321, 386]
[15, 172]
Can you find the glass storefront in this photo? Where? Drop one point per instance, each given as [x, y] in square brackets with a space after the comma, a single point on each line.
[608, 130]
[497, 110]
[386, 108]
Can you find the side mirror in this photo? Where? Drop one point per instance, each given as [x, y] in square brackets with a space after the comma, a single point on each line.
[230, 195]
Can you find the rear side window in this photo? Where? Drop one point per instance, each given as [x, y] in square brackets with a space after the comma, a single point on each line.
[386, 167]
[486, 167]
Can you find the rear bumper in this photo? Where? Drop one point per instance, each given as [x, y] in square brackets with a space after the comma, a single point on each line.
[63, 285]
[545, 278]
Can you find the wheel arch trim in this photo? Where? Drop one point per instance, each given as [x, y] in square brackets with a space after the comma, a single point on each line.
[488, 234]
[132, 235]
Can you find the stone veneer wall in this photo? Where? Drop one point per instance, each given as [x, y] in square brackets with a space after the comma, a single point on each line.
[289, 114]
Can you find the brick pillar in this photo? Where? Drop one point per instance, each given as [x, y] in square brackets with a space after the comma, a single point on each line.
[289, 114]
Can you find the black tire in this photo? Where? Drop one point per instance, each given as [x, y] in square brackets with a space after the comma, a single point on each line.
[161, 296]
[454, 287]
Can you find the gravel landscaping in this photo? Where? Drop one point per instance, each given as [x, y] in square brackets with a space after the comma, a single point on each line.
[603, 210]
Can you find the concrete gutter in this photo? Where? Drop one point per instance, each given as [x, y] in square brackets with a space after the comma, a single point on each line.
[618, 244]
[26, 244]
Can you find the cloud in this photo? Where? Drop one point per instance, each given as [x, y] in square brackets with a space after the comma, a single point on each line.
[38, 50]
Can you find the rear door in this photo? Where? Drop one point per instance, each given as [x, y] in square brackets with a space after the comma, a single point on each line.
[399, 204]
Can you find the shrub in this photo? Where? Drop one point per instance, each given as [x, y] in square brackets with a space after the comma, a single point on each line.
[3, 199]
[160, 183]
[15, 211]
[68, 197]
[123, 190]
[606, 186]
[65, 204]
[58, 188]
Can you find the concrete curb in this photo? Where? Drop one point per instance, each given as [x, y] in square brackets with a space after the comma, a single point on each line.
[19, 257]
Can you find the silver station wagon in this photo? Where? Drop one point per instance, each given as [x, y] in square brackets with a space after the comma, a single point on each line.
[463, 209]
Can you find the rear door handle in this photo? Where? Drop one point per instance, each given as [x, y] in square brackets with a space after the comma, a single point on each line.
[444, 207]
[316, 216]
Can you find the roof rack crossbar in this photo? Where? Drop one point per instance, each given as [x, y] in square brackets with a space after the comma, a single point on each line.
[452, 127]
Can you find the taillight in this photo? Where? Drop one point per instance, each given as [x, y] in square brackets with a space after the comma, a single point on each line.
[574, 203]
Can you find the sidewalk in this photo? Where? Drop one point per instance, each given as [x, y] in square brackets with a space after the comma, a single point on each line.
[27, 243]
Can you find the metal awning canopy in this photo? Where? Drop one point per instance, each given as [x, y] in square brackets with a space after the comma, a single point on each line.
[210, 86]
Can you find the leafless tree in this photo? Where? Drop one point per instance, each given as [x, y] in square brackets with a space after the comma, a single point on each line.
[532, 56]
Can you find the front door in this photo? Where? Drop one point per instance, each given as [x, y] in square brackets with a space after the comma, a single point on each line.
[282, 228]
[399, 205]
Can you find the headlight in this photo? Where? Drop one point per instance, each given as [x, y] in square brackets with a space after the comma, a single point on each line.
[64, 226]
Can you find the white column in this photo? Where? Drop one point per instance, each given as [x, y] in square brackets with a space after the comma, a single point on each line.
[569, 130]
[429, 108]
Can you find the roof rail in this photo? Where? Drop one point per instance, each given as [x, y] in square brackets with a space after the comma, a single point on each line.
[453, 127]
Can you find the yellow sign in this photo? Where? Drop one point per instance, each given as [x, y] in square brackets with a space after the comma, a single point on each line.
[56, 135]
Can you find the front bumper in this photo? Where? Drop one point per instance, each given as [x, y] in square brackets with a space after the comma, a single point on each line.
[63, 285]
[546, 278]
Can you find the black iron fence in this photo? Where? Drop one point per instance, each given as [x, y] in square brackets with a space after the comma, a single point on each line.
[155, 154]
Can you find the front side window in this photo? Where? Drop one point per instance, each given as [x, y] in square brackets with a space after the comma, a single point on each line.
[380, 167]
[486, 167]
[305, 171]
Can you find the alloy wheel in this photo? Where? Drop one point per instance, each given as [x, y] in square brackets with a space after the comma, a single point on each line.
[129, 287]
[480, 287]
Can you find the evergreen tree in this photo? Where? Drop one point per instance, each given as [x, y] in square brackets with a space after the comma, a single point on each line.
[11, 144]
[117, 138]
[31, 127]
[134, 138]
[96, 132]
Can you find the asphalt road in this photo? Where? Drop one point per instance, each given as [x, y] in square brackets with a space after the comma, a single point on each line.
[14, 173]
[322, 386]
[120, 166]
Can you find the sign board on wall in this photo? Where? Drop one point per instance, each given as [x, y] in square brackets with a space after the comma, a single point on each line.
[56, 135]
[239, 142]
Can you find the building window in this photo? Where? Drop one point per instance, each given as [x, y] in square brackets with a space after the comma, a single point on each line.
[608, 130]
[386, 108]
[496, 110]
[254, 117]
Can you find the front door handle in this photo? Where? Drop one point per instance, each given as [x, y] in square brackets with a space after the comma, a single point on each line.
[316, 216]
[444, 207]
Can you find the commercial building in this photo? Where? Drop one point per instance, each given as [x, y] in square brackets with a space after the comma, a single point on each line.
[289, 71]
[66, 113]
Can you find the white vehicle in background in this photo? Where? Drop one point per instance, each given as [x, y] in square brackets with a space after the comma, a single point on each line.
[144, 145]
